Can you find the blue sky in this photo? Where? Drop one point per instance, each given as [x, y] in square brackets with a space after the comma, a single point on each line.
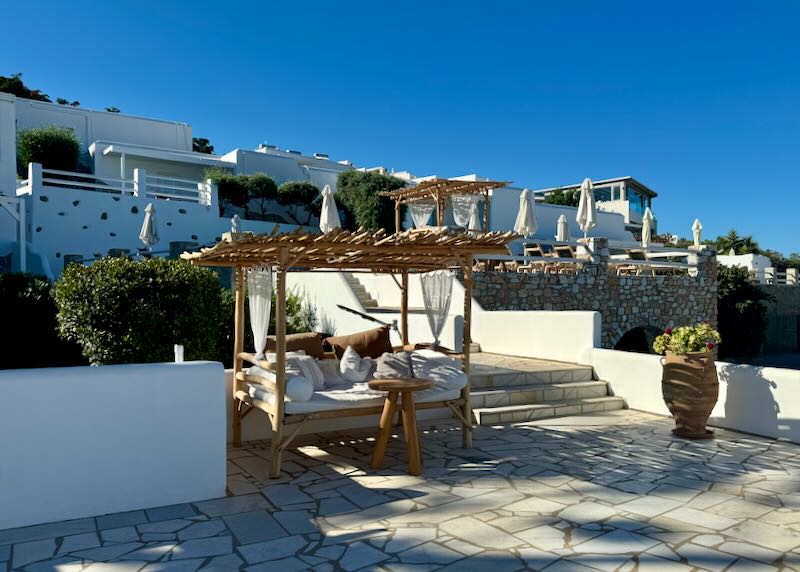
[698, 100]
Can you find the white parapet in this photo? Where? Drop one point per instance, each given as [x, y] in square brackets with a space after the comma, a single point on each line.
[85, 441]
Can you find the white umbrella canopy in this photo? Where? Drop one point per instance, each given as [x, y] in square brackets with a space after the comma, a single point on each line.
[647, 227]
[587, 215]
[526, 217]
[697, 229]
[149, 233]
[329, 218]
[562, 229]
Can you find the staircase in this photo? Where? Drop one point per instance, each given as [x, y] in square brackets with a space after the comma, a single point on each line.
[520, 389]
[363, 296]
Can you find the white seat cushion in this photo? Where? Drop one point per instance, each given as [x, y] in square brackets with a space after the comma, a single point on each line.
[448, 381]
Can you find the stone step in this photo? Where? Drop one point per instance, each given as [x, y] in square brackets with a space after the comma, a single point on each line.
[536, 411]
[488, 377]
[537, 393]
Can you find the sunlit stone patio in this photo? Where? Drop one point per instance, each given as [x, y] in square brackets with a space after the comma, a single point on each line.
[612, 491]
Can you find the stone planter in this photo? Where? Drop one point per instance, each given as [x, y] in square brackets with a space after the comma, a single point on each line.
[690, 389]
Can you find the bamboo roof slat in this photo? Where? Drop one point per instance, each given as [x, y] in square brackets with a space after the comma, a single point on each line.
[411, 250]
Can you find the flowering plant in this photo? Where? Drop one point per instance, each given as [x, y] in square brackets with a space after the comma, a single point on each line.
[686, 339]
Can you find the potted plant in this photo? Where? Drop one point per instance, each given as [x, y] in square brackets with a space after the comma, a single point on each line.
[689, 384]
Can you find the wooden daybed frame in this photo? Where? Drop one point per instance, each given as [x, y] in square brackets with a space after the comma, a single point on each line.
[402, 253]
[438, 190]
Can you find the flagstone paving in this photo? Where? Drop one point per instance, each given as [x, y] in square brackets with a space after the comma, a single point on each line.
[612, 491]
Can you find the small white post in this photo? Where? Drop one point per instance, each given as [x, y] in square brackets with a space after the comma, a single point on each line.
[22, 233]
[178, 353]
[34, 176]
[139, 183]
[211, 193]
[791, 276]
[122, 166]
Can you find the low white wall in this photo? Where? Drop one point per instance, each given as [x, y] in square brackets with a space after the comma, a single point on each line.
[84, 441]
[560, 336]
[760, 400]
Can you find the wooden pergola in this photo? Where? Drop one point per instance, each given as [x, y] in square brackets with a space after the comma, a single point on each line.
[416, 250]
[439, 190]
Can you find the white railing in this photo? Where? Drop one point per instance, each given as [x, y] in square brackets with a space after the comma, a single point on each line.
[788, 277]
[142, 185]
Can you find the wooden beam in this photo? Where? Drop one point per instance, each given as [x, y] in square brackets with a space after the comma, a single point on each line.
[238, 346]
[397, 222]
[280, 364]
[466, 410]
[404, 307]
[486, 210]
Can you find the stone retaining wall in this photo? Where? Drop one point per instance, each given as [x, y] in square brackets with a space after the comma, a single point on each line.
[625, 302]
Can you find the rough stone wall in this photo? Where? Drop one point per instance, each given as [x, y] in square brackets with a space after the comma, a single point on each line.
[624, 302]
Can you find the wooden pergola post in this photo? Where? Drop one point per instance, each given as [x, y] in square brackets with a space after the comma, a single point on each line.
[439, 209]
[398, 224]
[276, 445]
[466, 411]
[404, 306]
[238, 347]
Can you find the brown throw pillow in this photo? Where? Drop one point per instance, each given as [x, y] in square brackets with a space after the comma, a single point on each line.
[371, 343]
[309, 342]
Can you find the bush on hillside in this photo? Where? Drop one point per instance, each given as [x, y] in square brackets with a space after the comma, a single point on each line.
[742, 314]
[29, 336]
[261, 189]
[124, 311]
[357, 193]
[53, 147]
[231, 189]
[301, 199]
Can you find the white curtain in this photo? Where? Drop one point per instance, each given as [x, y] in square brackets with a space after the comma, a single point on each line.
[474, 219]
[259, 298]
[437, 290]
[462, 208]
[421, 212]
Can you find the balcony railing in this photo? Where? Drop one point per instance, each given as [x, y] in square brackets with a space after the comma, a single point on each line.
[141, 185]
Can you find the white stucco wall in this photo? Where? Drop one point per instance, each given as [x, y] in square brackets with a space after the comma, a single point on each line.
[757, 262]
[85, 441]
[760, 400]
[91, 125]
[8, 144]
[282, 166]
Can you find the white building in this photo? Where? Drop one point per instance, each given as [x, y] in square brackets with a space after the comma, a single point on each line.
[127, 162]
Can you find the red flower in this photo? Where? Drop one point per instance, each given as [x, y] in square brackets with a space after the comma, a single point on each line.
[710, 346]
[668, 331]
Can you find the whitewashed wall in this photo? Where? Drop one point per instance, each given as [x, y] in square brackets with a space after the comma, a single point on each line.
[282, 166]
[8, 144]
[561, 336]
[760, 400]
[83, 441]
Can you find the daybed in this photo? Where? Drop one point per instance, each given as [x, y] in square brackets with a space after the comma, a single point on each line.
[416, 250]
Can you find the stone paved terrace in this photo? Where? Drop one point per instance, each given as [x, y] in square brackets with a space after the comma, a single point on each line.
[613, 491]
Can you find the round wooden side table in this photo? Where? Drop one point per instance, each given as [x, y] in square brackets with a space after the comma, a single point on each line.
[403, 388]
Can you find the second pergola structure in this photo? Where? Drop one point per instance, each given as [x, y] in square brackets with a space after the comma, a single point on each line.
[439, 190]
[399, 254]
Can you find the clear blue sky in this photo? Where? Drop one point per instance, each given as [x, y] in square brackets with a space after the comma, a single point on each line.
[698, 100]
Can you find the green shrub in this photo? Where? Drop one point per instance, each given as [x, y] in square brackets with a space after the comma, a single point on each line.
[357, 194]
[742, 314]
[124, 311]
[53, 147]
[231, 189]
[302, 200]
[29, 336]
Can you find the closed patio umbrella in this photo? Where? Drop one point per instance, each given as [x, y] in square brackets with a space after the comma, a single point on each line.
[587, 215]
[235, 224]
[526, 217]
[562, 230]
[329, 218]
[149, 233]
[474, 220]
[647, 227]
[697, 228]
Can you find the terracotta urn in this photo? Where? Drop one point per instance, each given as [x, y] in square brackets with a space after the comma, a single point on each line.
[690, 389]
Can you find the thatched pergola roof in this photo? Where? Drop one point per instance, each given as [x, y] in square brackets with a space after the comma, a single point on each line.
[433, 188]
[415, 250]
[438, 190]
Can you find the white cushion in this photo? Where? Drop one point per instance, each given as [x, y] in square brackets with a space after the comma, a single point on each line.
[298, 388]
[331, 373]
[353, 367]
[309, 369]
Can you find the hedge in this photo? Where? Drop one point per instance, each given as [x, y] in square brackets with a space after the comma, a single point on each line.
[53, 147]
[357, 192]
[124, 311]
[29, 336]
